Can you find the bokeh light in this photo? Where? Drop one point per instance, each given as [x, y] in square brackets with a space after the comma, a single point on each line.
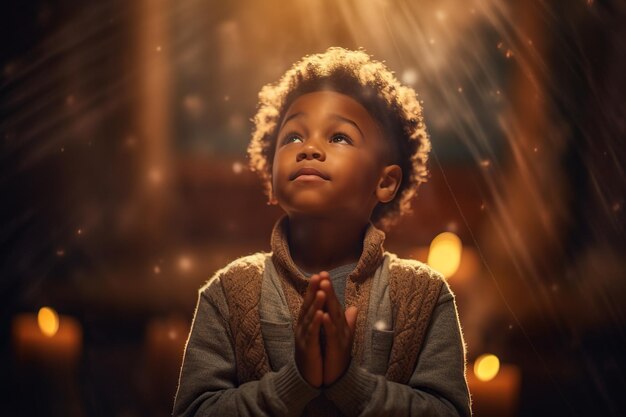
[486, 367]
[445, 253]
[124, 131]
[185, 263]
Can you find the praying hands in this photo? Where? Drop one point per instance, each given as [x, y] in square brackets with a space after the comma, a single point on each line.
[323, 365]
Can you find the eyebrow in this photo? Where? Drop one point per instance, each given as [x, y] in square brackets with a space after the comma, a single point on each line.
[334, 115]
[353, 123]
[293, 116]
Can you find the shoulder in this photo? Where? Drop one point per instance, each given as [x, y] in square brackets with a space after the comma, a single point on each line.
[238, 272]
[416, 273]
[413, 267]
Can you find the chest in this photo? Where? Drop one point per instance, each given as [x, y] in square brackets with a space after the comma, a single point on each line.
[278, 333]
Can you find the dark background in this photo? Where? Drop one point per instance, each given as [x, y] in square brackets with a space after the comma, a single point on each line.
[124, 183]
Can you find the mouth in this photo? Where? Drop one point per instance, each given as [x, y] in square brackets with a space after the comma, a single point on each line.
[309, 173]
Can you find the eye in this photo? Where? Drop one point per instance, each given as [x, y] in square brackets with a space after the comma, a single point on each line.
[338, 137]
[291, 137]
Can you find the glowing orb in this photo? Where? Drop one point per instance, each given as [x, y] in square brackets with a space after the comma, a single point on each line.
[48, 321]
[445, 253]
[486, 367]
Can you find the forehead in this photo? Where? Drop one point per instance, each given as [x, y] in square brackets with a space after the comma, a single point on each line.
[328, 103]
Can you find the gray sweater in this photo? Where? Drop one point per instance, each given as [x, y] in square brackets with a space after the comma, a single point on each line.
[208, 380]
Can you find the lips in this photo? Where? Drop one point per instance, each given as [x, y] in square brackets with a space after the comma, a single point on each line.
[308, 171]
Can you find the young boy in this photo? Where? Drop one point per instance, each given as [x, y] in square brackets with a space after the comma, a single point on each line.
[329, 323]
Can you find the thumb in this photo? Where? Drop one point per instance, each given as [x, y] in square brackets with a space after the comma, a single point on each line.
[351, 313]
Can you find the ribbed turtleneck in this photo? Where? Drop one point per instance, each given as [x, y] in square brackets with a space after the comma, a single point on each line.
[358, 284]
[370, 259]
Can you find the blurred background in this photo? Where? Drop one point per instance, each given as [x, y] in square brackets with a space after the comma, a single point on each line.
[125, 186]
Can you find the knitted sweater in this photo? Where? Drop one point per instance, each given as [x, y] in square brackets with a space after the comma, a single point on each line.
[212, 380]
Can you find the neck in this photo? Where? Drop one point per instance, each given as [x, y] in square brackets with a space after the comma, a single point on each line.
[321, 244]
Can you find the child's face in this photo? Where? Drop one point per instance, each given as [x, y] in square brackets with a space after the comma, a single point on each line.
[335, 135]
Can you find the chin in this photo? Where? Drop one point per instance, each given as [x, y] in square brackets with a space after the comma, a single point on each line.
[306, 200]
[307, 208]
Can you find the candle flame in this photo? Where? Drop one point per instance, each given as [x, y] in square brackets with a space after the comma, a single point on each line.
[48, 321]
[486, 367]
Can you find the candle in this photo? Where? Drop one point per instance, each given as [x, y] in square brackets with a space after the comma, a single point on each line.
[47, 339]
[494, 387]
[47, 349]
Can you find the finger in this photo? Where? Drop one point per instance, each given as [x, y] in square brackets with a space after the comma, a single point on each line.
[327, 285]
[316, 323]
[351, 315]
[313, 286]
[332, 302]
[320, 299]
[323, 276]
[309, 295]
[316, 305]
[329, 327]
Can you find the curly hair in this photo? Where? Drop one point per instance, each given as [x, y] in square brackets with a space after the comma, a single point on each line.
[354, 73]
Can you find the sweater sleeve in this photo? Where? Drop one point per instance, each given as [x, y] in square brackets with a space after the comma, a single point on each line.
[208, 383]
[437, 386]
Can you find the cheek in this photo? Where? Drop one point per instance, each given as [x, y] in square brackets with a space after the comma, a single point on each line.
[277, 165]
[362, 174]
[280, 170]
[368, 168]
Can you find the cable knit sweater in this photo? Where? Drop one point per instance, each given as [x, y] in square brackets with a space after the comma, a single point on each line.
[239, 361]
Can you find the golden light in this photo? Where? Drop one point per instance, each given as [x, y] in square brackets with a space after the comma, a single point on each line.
[237, 167]
[184, 263]
[48, 321]
[486, 367]
[409, 76]
[445, 253]
[155, 176]
[193, 104]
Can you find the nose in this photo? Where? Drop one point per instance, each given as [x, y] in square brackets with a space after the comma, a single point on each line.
[311, 150]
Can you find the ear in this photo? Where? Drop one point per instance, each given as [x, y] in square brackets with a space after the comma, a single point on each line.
[389, 182]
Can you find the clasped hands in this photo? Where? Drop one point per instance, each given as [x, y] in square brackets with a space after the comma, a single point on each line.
[322, 365]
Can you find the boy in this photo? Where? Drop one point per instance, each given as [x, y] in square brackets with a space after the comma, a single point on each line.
[340, 146]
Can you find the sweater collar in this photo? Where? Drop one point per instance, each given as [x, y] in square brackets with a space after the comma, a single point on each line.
[370, 259]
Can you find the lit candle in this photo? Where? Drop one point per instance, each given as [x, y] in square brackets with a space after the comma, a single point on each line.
[494, 387]
[47, 348]
[47, 339]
